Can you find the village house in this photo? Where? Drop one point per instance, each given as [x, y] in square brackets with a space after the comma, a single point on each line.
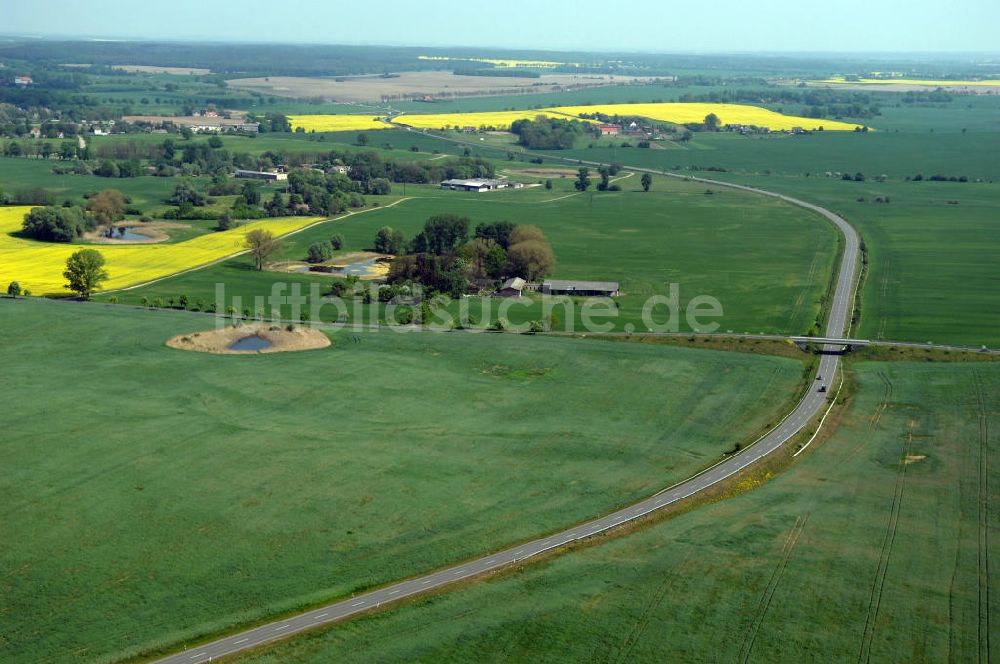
[512, 287]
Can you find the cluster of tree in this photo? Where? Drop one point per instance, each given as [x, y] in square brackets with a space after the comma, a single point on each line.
[937, 177]
[324, 193]
[818, 102]
[445, 259]
[57, 224]
[545, 133]
[938, 96]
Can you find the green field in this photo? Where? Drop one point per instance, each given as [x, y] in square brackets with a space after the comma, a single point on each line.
[851, 555]
[766, 262]
[932, 274]
[152, 495]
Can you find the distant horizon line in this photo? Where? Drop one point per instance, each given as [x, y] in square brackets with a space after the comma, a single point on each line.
[261, 42]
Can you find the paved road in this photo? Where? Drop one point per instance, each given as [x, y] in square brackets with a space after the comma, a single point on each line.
[808, 408]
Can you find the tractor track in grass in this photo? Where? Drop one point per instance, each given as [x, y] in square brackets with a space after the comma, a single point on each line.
[984, 511]
[800, 300]
[764, 602]
[888, 539]
[646, 616]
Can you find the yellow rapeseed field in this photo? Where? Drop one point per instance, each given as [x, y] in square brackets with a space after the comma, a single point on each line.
[38, 266]
[681, 113]
[678, 113]
[337, 122]
[497, 119]
[995, 82]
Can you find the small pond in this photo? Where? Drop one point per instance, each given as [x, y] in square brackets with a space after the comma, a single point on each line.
[129, 235]
[361, 269]
[254, 342]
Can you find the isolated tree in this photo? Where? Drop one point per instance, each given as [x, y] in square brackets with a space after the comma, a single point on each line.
[647, 181]
[251, 193]
[85, 272]
[530, 255]
[14, 289]
[337, 242]
[262, 245]
[67, 151]
[712, 122]
[582, 180]
[532, 259]
[605, 178]
[107, 206]
[442, 234]
[526, 233]
[498, 231]
[390, 241]
[215, 142]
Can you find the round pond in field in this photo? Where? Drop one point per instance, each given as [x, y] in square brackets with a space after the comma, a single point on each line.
[251, 339]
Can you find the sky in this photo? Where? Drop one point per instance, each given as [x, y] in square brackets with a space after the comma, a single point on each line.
[661, 26]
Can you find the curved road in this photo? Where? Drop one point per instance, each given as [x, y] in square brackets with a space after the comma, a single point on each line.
[810, 405]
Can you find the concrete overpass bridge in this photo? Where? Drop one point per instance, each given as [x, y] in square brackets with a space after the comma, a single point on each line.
[829, 345]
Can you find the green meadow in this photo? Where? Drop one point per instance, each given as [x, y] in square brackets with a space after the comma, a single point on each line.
[874, 546]
[932, 250]
[153, 495]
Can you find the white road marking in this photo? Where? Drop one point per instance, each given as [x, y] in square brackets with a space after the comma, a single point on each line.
[358, 603]
[426, 581]
[281, 627]
[236, 643]
[323, 615]
[393, 592]
[201, 654]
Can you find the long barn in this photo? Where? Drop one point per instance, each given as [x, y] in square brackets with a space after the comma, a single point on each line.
[581, 288]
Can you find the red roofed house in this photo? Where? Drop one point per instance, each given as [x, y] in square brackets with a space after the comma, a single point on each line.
[608, 129]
